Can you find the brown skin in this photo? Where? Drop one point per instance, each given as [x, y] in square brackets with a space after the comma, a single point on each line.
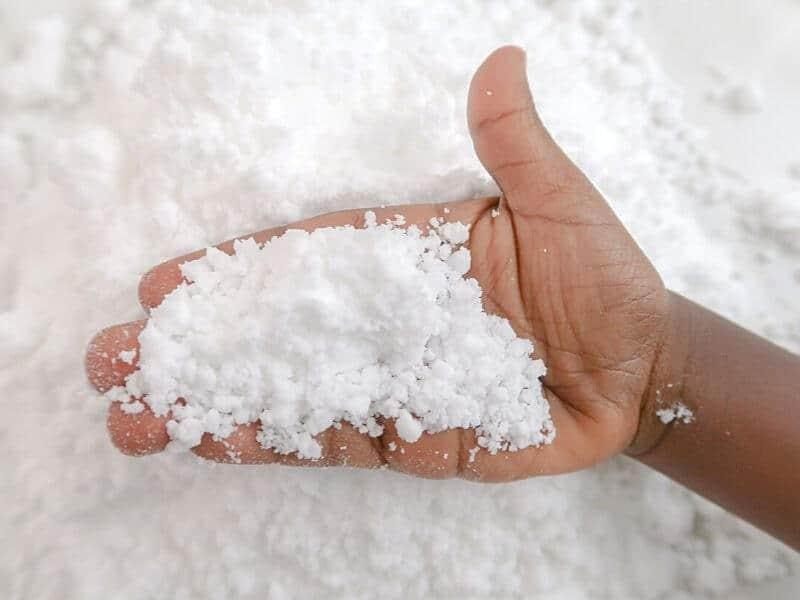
[743, 449]
[556, 262]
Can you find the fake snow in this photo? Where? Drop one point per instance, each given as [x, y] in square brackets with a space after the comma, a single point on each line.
[131, 132]
[340, 324]
[678, 412]
[132, 407]
[127, 356]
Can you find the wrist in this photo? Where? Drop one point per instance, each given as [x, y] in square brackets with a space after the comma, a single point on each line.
[667, 386]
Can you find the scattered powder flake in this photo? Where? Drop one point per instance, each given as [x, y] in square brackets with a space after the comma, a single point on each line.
[435, 222]
[132, 408]
[678, 412]
[341, 324]
[127, 356]
[495, 213]
[454, 232]
[392, 446]
[473, 453]
[370, 219]
[118, 394]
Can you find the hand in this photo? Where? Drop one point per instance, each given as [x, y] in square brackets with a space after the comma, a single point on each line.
[555, 261]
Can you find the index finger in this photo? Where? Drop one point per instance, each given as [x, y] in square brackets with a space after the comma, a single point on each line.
[164, 278]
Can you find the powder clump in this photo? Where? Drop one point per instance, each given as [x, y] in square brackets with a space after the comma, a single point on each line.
[339, 325]
[678, 412]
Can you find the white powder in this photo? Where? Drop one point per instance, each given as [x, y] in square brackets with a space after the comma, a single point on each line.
[221, 118]
[408, 428]
[678, 412]
[127, 356]
[340, 324]
[133, 407]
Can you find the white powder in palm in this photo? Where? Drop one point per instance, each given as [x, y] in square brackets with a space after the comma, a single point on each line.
[340, 324]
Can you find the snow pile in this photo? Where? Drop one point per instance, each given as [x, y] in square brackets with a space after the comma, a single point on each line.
[340, 324]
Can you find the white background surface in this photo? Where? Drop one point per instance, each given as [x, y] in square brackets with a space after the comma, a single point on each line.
[754, 42]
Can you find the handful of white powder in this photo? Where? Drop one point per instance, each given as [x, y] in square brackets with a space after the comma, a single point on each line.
[340, 324]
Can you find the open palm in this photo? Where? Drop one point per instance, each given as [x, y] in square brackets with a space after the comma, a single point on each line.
[551, 257]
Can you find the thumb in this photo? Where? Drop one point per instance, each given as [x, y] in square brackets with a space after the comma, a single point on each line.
[509, 138]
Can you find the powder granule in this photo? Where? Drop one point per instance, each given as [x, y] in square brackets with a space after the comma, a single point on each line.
[340, 324]
[127, 356]
[678, 412]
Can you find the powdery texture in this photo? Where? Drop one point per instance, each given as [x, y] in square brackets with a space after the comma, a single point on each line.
[131, 132]
[744, 97]
[340, 324]
[678, 412]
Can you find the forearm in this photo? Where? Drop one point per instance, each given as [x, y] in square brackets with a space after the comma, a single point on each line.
[742, 450]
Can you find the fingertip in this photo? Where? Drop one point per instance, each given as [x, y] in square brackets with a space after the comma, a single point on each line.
[499, 84]
[104, 365]
[509, 55]
[137, 434]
